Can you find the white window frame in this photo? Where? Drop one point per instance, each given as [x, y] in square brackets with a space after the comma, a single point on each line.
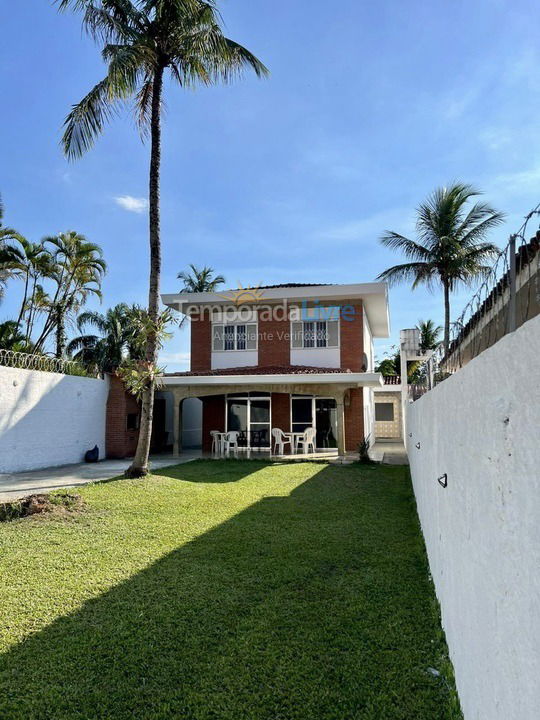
[249, 398]
[315, 346]
[235, 325]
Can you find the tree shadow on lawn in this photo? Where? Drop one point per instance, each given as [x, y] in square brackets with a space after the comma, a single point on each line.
[315, 605]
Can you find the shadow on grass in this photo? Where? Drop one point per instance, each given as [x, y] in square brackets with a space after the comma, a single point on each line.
[314, 605]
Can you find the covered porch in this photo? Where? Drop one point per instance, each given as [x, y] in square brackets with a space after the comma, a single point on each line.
[254, 403]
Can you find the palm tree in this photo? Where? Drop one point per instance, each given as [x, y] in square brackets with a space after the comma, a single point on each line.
[11, 338]
[429, 334]
[200, 280]
[450, 248]
[107, 350]
[35, 264]
[77, 270]
[142, 39]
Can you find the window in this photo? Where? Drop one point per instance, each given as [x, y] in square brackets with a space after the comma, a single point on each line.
[234, 337]
[384, 412]
[132, 421]
[315, 334]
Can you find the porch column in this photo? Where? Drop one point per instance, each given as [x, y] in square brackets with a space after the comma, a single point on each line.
[340, 409]
[176, 423]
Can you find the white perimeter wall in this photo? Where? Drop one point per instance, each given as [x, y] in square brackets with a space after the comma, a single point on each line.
[482, 532]
[49, 419]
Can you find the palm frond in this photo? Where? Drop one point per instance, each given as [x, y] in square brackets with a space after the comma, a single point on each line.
[406, 271]
[410, 248]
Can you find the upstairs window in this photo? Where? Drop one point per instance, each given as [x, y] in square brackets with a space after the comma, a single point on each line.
[234, 337]
[315, 334]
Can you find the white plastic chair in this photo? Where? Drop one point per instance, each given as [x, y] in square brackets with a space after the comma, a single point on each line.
[307, 440]
[280, 440]
[216, 444]
[231, 442]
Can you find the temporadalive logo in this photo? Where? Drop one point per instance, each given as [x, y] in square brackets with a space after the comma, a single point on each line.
[244, 296]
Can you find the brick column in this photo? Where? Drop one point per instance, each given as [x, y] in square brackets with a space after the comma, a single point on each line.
[281, 411]
[213, 418]
[352, 339]
[354, 419]
[201, 343]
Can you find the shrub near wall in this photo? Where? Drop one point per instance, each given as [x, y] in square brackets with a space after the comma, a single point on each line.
[480, 427]
[49, 419]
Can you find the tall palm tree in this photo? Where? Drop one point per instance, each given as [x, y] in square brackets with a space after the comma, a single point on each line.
[200, 280]
[35, 264]
[429, 334]
[142, 39]
[450, 248]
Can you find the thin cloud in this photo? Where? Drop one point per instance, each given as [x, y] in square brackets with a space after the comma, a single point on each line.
[132, 204]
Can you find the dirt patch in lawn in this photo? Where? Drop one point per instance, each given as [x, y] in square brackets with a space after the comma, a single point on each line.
[60, 504]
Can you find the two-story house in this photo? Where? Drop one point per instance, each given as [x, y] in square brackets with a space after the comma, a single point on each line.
[288, 356]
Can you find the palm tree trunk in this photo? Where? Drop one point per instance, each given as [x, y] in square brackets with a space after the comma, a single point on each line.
[446, 317]
[25, 298]
[139, 466]
[60, 332]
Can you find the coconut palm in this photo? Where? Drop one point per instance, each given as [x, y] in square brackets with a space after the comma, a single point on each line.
[200, 280]
[114, 343]
[450, 248]
[429, 334]
[142, 40]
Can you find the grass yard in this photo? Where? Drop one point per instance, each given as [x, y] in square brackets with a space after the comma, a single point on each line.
[225, 590]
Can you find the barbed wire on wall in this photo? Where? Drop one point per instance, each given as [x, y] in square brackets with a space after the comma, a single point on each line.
[44, 363]
[508, 296]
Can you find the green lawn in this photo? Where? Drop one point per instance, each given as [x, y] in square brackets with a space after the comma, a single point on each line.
[225, 590]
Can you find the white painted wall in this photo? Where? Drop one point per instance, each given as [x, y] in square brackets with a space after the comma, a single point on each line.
[368, 345]
[49, 419]
[234, 358]
[481, 427]
[316, 357]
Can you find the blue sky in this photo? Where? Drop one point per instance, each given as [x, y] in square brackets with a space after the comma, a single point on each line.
[369, 106]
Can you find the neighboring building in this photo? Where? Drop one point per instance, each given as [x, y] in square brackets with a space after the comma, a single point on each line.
[288, 356]
[388, 413]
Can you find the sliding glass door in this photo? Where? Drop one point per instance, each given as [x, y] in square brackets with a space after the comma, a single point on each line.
[249, 414]
[320, 413]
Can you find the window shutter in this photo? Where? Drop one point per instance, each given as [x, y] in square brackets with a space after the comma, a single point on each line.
[333, 333]
[297, 335]
[217, 337]
[251, 337]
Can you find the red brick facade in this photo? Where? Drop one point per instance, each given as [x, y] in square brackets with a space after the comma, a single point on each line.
[201, 343]
[281, 411]
[274, 342]
[119, 441]
[352, 339]
[213, 418]
[354, 420]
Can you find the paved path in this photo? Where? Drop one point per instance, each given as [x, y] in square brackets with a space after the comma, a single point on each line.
[17, 485]
[390, 453]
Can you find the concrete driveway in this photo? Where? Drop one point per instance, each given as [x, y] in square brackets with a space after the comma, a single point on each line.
[17, 485]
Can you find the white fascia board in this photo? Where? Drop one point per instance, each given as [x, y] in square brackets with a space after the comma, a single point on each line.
[374, 296]
[351, 379]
